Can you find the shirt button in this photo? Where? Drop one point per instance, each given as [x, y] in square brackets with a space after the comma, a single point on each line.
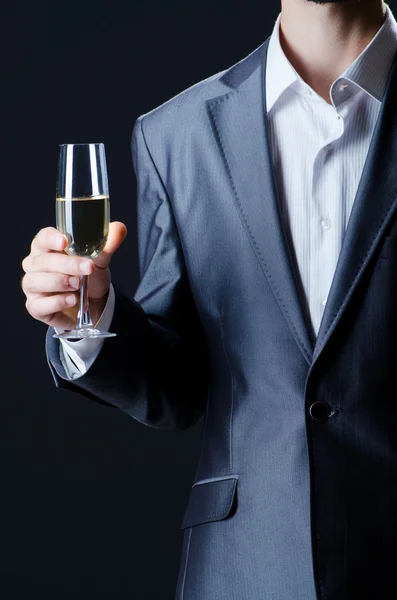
[326, 223]
[323, 303]
[328, 148]
[343, 86]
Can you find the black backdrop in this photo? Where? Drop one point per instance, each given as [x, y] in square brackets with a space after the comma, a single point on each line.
[90, 500]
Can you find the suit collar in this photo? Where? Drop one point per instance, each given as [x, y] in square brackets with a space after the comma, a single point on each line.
[368, 72]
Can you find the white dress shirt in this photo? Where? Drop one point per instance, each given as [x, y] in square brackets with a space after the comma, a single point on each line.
[318, 152]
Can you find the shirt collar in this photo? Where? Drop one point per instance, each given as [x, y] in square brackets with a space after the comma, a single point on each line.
[369, 71]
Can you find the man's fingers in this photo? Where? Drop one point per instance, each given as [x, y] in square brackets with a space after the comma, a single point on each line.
[51, 239]
[47, 239]
[116, 236]
[40, 283]
[45, 308]
[57, 262]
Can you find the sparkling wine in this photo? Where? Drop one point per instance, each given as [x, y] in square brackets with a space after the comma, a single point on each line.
[85, 223]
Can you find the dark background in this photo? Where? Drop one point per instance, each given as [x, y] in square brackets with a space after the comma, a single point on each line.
[91, 501]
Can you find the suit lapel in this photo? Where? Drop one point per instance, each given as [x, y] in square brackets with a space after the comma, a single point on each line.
[239, 125]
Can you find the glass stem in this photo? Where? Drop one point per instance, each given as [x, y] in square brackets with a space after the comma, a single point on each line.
[84, 318]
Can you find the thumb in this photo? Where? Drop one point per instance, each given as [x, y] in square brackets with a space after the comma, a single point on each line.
[116, 236]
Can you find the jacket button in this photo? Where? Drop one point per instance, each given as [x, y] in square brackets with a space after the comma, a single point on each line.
[319, 411]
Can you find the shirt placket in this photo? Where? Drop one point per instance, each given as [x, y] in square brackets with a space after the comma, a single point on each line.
[326, 198]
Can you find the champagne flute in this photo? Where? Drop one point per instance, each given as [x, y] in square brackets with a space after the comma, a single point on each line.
[83, 216]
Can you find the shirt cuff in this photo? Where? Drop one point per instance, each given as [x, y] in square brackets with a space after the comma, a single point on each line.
[84, 352]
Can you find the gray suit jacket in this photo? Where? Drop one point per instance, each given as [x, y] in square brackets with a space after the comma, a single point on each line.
[295, 492]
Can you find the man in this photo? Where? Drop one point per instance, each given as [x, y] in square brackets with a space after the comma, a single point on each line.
[250, 309]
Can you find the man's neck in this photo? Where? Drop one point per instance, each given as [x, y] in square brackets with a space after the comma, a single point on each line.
[322, 40]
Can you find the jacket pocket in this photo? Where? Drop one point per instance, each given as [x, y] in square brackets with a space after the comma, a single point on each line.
[210, 501]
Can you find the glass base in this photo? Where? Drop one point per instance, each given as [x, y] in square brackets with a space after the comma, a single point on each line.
[86, 332]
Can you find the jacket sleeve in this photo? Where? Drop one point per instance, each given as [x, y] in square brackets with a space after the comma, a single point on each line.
[156, 369]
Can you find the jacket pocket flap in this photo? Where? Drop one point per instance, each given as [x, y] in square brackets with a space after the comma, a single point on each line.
[210, 501]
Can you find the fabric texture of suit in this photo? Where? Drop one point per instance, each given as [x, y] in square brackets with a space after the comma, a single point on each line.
[283, 506]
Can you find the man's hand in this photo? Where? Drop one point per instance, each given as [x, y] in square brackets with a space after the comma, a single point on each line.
[52, 277]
